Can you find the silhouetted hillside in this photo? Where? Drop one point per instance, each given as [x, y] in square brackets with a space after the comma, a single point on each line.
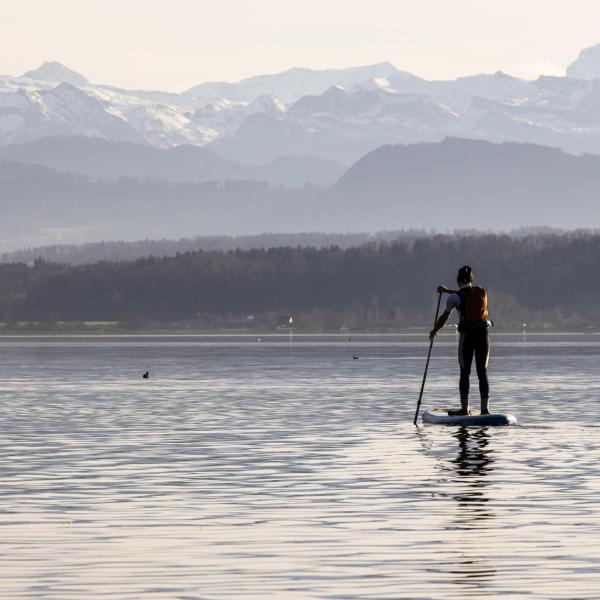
[467, 183]
[41, 206]
[456, 184]
[104, 159]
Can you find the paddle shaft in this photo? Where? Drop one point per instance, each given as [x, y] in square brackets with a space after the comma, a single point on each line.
[437, 312]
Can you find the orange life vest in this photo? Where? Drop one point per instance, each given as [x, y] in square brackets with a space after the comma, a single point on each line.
[473, 307]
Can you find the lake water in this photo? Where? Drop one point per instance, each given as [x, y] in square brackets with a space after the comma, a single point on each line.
[285, 469]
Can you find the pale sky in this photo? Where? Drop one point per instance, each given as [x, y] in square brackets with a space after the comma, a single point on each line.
[175, 44]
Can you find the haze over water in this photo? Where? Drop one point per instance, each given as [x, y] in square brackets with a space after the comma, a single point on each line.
[286, 469]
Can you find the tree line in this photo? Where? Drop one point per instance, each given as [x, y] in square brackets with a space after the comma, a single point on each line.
[545, 280]
[77, 254]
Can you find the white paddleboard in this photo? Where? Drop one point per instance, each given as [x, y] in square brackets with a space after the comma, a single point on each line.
[440, 416]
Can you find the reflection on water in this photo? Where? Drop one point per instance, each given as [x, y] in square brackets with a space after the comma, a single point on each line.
[473, 463]
[285, 469]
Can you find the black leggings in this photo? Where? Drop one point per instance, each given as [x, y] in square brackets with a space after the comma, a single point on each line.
[476, 342]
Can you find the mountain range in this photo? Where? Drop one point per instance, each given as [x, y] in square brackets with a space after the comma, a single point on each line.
[453, 184]
[336, 114]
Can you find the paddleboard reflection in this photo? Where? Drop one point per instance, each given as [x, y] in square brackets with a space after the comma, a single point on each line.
[472, 465]
[474, 461]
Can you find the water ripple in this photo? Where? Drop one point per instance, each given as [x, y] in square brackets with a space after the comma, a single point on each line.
[284, 469]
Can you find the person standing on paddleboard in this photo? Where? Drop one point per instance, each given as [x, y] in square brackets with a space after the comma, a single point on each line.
[472, 304]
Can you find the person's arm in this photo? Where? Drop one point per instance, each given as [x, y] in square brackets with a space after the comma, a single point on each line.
[442, 289]
[439, 324]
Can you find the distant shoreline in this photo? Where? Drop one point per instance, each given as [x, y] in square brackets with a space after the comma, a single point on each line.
[80, 329]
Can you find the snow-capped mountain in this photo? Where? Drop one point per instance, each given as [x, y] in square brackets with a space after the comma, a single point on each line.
[341, 123]
[587, 65]
[333, 114]
[54, 72]
[292, 84]
[28, 113]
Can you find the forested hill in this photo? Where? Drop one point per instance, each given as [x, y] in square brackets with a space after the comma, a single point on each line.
[545, 280]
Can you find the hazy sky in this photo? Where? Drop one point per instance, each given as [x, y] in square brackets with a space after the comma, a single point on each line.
[174, 44]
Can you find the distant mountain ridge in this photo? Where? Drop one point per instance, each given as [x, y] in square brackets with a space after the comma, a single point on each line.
[104, 159]
[332, 114]
[587, 64]
[470, 184]
[456, 184]
[293, 84]
[55, 72]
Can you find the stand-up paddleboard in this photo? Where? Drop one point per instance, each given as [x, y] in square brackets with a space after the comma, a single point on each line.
[440, 416]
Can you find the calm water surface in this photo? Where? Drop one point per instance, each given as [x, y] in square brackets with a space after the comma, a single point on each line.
[247, 469]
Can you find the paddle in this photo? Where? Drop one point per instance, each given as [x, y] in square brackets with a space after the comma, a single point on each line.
[437, 310]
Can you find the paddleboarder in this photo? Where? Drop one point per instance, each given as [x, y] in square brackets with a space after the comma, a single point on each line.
[471, 302]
